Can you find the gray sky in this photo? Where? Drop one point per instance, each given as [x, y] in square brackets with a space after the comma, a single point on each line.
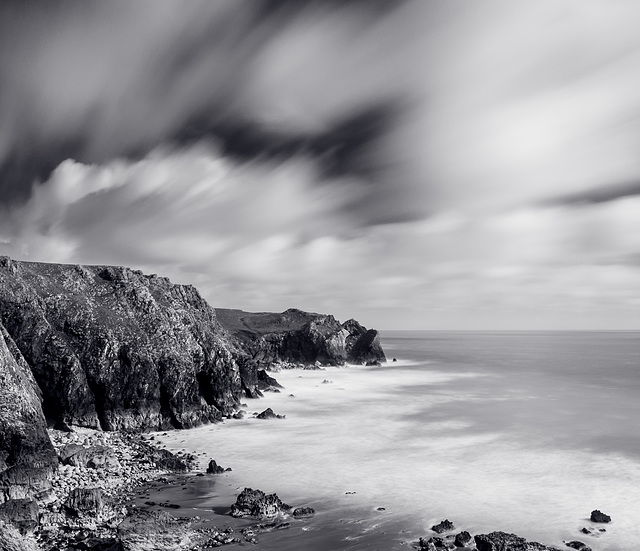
[437, 164]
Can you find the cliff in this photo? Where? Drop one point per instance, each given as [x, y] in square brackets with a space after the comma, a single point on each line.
[113, 348]
[27, 458]
[301, 337]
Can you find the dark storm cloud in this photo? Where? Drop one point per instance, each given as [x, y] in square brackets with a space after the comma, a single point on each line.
[93, 81]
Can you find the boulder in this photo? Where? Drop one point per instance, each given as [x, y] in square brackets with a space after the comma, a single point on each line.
[257, 504]
[303, 512]
[154, 530]
[84, 502]
[214, 468]
[22, 513]
[445, 526]
[269, 414]
[462, 539]
[599, 516]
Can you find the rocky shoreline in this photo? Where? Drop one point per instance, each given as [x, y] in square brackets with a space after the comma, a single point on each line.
[94, 503]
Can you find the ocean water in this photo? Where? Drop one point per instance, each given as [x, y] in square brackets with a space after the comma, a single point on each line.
[514, 431]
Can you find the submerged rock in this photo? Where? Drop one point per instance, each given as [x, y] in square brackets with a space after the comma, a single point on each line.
[599, 516]
[257, 504]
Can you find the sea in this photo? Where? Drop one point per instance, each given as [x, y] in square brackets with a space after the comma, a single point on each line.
[523, 432]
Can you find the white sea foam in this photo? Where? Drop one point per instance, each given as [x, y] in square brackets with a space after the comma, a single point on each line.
[382, 433]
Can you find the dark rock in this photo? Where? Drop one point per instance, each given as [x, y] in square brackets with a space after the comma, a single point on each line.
[269, 414]
[214, 468]
[394, 360]
[502, 541]
[431, 544]
[443, 526]
[22, 513]
[84, 502]
[585, 531]
[462, 539]
[599, 516]
[266, 382]
[362, 345]
[303, 512]
[27, 458]
[580, 546]
[257, 504]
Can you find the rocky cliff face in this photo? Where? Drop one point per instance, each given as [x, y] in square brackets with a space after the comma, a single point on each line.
[301, 337]
[112, 348]
[27, 458]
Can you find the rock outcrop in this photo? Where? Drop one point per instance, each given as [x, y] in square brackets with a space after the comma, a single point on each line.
[502, 541]
[297, 337]
[27, 457]
[113, 348]
[257, 504]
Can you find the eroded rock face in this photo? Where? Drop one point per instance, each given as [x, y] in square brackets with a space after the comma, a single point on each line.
[27, 457]
[297, 337]
[113, 348]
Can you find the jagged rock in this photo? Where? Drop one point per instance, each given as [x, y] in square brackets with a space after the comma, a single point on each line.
[257, 504]
[443, 526]
[462, 539]
[362, 345]
[502, 541]
[303, 512]
[214, 468]
[599, 516]
[84, 502]
[27, 458]
[269, 414]
[22, 513]
[265, 382]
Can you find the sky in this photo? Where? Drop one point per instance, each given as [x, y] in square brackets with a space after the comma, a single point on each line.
[415, 164]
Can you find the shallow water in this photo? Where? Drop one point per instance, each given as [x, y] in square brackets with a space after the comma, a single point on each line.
[522, 432]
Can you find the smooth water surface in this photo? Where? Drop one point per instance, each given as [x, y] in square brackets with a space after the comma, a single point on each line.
[521, 432]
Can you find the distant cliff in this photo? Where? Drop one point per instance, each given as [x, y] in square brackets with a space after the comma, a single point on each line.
[298, 337]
